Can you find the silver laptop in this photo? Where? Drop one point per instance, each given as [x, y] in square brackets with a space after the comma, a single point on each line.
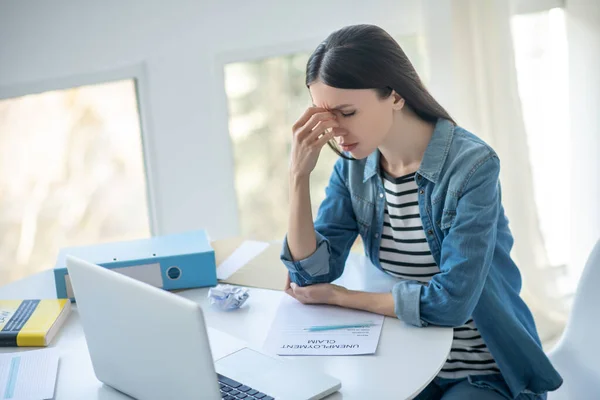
[152, 344]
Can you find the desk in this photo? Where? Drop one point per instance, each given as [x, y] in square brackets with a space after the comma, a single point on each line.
[407, 358]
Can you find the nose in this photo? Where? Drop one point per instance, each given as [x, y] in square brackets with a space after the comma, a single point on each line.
[339, 131]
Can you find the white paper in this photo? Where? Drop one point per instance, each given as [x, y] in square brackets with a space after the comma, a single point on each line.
[240, 257]
[28, 375]
[288, 334]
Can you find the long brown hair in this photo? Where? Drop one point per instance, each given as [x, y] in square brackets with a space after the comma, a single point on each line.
[367, 57]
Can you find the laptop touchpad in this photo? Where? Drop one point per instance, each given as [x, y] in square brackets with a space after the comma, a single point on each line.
[223, 344]
[274, 377]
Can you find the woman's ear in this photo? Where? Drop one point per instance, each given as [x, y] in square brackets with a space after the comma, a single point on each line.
[398, 101]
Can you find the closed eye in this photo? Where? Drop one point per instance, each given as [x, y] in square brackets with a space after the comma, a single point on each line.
[349, 114]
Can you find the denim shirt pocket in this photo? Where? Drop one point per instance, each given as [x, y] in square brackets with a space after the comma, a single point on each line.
[448, 214]
[363, 211]
[447, 219]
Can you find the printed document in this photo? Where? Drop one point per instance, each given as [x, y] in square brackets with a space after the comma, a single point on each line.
[28, 375]
[300, 329]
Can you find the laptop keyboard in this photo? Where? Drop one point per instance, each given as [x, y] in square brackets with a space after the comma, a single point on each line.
[232, 390]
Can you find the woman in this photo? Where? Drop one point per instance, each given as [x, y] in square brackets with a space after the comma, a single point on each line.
[424, 195]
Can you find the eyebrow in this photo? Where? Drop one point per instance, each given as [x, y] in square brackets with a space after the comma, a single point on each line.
[338, 107]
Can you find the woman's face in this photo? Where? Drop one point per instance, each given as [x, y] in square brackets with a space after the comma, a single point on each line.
[364, 118]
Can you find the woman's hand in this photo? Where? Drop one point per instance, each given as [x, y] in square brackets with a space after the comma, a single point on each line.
[312, 130]
[321, 293]
[326, 293]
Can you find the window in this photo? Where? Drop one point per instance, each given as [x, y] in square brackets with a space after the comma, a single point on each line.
[71, 173]
[265, 98]
[541, 62]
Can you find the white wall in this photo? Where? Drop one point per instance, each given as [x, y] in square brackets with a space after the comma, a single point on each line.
[176, 50]
[436, 27]
[583, 30]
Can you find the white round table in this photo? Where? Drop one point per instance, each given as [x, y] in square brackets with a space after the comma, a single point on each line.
[407, 357]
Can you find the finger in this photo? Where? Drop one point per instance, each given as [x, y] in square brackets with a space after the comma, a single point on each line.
[322, 128]
[291, 293]
[299, 291]
[320, 142]
[306, 116]
[295, 289]
[287, 282]
[312, 122]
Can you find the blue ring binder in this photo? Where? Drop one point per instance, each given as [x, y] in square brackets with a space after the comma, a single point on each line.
[185, 260]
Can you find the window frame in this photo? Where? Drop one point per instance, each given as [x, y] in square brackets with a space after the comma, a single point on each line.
[138, 74]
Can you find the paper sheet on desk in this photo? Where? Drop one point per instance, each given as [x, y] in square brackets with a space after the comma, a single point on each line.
[265, 270]
[240, 257]
[28, 375]
[288, 334]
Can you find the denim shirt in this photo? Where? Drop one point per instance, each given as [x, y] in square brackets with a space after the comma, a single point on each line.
[469, 237]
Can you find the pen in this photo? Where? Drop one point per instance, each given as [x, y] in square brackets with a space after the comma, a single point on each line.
[331, 327]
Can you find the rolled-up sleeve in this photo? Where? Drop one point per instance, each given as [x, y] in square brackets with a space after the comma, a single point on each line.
[312, 269]
[407, 299]
[335, 229]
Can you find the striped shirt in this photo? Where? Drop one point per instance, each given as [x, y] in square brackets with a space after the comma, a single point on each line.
[404, 253]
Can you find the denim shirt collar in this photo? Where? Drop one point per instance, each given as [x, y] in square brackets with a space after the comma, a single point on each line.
[433, 159]
[371, 166]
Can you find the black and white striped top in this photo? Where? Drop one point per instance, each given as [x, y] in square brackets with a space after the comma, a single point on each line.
[404, 253]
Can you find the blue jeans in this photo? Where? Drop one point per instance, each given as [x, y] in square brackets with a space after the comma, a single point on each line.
[461, 389]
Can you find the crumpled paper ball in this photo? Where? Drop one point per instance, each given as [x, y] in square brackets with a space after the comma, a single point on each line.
[228, 297]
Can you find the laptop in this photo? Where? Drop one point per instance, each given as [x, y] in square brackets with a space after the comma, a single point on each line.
[152, 344]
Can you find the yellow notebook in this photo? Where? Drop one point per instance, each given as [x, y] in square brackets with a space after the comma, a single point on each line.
[31, 323]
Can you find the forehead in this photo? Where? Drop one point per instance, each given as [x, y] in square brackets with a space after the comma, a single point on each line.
[330, 97]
